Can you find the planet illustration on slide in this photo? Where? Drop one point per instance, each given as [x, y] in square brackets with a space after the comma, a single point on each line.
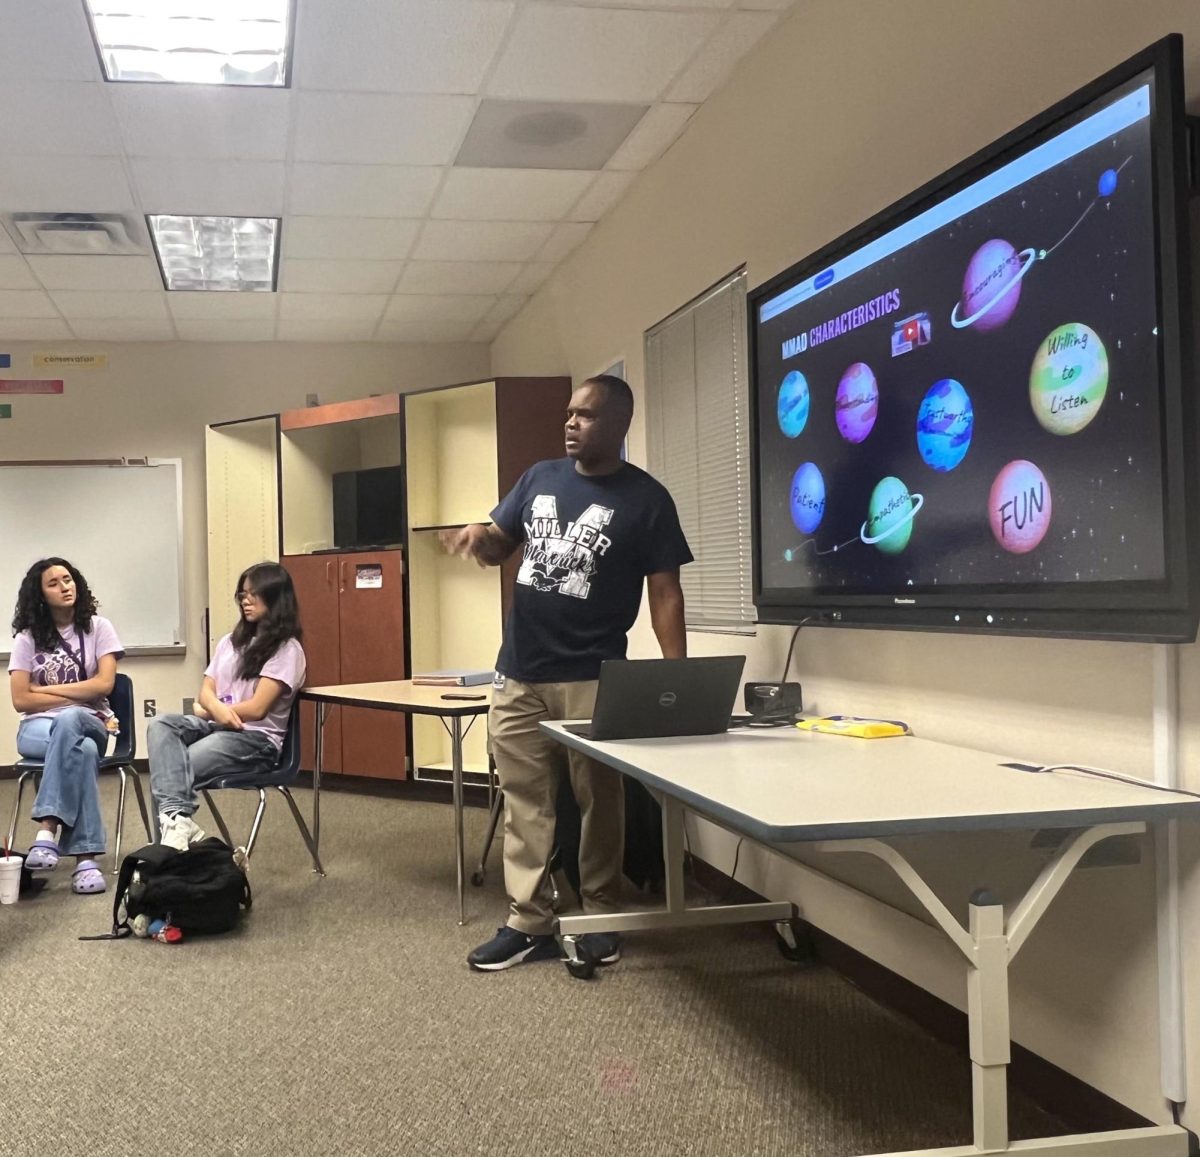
[1019, 507]
[808, 497]
[890, 514]
[945, 423]
[791, 408]
[856, 405]
[991, 285]
[1068, 380]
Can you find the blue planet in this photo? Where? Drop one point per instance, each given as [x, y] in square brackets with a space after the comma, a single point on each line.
[792, 406]
[807, 498]
[945, 423]
[1107, 185]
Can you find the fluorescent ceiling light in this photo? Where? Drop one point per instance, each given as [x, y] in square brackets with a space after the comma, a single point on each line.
[194, 41]
[216, 253]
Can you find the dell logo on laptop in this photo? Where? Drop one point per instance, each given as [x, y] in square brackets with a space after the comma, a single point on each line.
[667, 699]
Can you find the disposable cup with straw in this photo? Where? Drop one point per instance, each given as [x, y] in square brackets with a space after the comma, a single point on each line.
[10, 875]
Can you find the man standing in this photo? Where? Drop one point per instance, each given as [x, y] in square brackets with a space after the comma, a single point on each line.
[593, 527]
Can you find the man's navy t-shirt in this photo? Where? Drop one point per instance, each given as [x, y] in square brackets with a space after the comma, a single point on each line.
[589, 542]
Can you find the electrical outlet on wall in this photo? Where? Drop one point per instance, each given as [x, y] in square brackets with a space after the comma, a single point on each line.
[149, 708]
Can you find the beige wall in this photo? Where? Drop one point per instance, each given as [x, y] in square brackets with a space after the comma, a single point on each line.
[155, 400]
[847, 107]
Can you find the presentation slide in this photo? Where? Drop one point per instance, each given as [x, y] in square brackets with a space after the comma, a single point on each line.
[973, 398]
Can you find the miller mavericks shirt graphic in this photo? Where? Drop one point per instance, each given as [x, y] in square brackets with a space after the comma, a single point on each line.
[560, 560]
[589, 541]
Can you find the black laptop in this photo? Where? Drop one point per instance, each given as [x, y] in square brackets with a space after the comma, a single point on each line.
[649, 698]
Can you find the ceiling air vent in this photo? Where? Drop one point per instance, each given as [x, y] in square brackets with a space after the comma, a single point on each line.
[78, 234]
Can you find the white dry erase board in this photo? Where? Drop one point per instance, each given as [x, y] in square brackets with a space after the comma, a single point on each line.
[119, 523]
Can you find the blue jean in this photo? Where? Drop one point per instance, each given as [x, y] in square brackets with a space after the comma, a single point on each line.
[70, 745]
[186, 752]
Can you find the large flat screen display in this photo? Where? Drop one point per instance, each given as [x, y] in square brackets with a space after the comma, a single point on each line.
[971, 413]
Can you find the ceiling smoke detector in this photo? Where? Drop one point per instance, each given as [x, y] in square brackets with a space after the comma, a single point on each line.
[77, 234]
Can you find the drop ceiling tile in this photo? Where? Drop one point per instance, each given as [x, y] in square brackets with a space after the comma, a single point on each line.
[507, 307]
[380, 129]
[15, 274]
[467, 277]
[202, 121]
[34, 329]
[123, 329]
[565, 238]
[210, 188]
[331, 331]
[510, 194]
[413, 307]
[557, 52]
[25, 303]
[655, 133]
[531, 277]
[776, 5]
[225, 330]
[348, 238]
[331, 307]
[64, 185]
[227, 306]
[297, 275]
[48, 40]
[480, 240]
[86, 304]
[655, 3]
[42, 117]
[97, 272]
[605, 192]
[6, 244]
[714, 62]
[424, 331]
[361, 190]
[430, 46]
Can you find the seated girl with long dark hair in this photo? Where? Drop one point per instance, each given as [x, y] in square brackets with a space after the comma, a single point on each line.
[63, 665]
[241, 714]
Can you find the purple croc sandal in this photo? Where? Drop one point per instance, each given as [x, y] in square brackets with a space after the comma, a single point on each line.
[43, 856]
[87, 878]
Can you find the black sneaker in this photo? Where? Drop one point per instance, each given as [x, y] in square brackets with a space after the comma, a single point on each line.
[510, 946]
[602, 947]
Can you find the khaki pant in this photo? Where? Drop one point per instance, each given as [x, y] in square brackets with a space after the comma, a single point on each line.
[529, 765]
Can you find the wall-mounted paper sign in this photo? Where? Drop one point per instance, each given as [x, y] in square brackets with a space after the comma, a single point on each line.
[70, 361]
[5, 411]
[31, 386]
[5, 361]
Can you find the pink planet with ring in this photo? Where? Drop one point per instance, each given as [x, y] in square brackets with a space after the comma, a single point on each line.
[1019, 507]
[856, 405]
[991, 285]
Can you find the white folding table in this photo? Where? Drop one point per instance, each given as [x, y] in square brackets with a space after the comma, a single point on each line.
[838, 794]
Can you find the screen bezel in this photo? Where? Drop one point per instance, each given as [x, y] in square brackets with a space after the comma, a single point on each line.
[1164, 611]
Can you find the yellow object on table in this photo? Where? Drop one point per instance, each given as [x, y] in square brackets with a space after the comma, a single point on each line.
[854, 725]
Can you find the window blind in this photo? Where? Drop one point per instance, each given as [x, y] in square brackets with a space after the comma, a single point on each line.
[698, 446]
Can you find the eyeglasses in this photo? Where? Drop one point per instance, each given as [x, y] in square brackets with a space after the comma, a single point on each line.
[245, 596]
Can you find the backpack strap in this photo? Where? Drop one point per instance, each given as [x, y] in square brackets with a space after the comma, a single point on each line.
[154, 854]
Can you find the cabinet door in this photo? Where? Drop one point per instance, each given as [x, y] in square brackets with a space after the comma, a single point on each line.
[315, 579]
[371, 615]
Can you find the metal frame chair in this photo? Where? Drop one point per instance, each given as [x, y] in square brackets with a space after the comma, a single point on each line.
[281, 777]
[121, 701]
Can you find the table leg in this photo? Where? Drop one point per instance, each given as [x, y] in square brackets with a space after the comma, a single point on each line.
[457, 767]
[318, 762]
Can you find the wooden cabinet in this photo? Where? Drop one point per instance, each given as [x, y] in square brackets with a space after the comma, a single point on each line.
[352, 606]
[380, 614]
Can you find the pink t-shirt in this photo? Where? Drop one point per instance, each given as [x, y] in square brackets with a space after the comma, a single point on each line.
[286, 666]
[48, 669]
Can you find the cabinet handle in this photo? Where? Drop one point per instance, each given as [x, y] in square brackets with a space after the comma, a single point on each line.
[341, 576]
[328, 573]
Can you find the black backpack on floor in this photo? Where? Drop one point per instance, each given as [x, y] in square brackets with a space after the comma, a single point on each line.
[200, 890]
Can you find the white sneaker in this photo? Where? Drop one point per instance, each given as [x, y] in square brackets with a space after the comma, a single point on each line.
[179, 832]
